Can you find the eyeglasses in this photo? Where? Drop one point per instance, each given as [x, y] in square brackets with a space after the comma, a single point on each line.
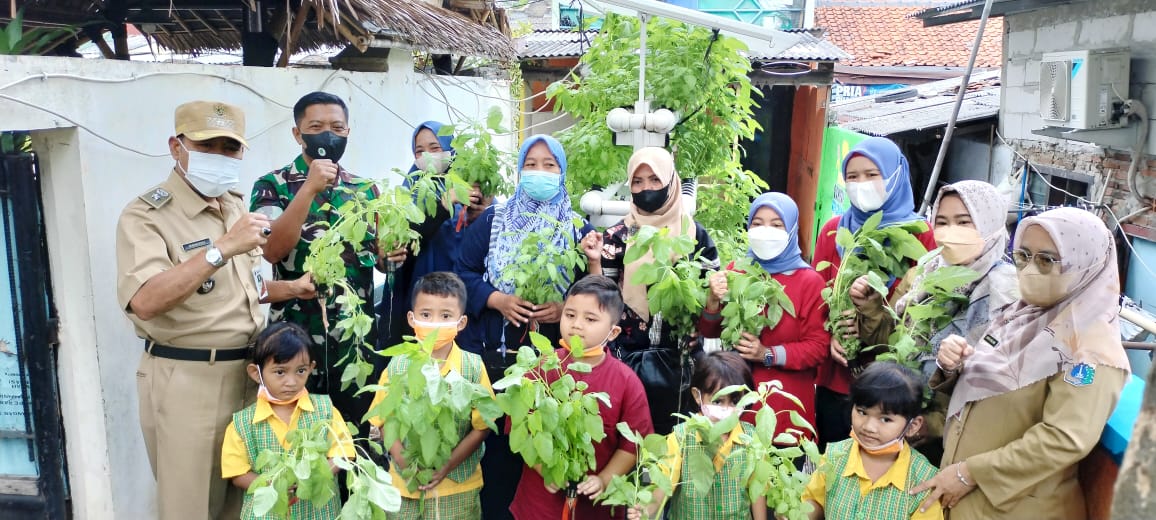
[1044, 261]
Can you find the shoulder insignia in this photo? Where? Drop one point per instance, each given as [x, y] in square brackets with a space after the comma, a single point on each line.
[157, 197]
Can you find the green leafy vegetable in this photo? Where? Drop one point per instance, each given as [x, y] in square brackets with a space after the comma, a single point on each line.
[541, 271]
[554, 422]
[476, 159]
[754, 301]
[651, 473]
[676, 287]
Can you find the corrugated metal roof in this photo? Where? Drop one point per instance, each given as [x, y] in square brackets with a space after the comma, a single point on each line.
[558, 44]
[929, 106]
[948, 7]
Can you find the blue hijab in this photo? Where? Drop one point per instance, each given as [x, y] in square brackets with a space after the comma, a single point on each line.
[792, 257]
[435, 127]
[522, 215]
[899, 206]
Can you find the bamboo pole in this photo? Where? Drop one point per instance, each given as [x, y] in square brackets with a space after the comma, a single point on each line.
[294, 34]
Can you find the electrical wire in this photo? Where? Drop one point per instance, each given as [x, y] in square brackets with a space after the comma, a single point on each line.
[135, 77]
[81, 126]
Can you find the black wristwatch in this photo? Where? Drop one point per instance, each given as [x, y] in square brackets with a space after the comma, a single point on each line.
[769, 358]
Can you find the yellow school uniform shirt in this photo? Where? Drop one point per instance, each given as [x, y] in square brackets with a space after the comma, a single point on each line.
[674, 451]
[896, 476]
[447, 486]
[235, 457]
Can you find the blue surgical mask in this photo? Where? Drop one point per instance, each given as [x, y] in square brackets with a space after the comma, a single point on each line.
[540, 185]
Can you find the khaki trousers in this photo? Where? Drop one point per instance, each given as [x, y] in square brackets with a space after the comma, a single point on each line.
[185, 407]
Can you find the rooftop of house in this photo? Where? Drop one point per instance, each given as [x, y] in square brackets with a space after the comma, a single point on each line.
[812, 45]
[883, 33]
[921, 107]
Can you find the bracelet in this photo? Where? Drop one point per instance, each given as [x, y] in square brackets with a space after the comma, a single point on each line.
[959, 474]
[947, 371]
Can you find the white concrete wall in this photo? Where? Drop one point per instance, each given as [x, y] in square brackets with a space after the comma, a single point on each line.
[1094, 24]
[971, 158]
[88, 180]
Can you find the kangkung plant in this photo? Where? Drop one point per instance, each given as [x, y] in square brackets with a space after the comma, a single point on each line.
[676, 287]
[422, 410]
[541, 271]
[939, 296]
[754, 301]
[887, 252]
[652, 470]
[554, 421]
[388, 220]
[303, 473]
[701, 75]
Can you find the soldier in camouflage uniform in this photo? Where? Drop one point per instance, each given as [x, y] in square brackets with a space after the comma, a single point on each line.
[293, 197]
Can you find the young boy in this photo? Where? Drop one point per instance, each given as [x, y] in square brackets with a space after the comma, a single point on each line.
[591, 312]
[439, 307]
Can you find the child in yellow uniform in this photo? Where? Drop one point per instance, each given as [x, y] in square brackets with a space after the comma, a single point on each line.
[870, 474]
[439, 306]
[281, 365]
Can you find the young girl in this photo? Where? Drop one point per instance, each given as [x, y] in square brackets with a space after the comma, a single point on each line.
[872, 474]
[727, 497]
[281, 365]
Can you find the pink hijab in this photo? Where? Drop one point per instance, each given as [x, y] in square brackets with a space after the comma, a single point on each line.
[1033, 343]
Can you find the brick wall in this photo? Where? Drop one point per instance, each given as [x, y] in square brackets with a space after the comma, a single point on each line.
[1103, 164]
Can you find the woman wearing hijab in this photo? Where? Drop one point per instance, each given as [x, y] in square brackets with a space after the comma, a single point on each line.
[647, 347]
[877, 179]
[792, 350]
[1030, 399]
[969, 219]
[498, 320]
[441, 233]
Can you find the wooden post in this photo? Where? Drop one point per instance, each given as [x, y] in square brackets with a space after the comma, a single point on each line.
[294, 34]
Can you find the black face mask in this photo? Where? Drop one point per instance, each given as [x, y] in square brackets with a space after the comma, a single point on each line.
[326, 145]
[650, 200]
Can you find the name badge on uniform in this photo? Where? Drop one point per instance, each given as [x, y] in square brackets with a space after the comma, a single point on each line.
[1081, 374]
[990, 340]
[206, 286]
[259, 281]
[192, 246]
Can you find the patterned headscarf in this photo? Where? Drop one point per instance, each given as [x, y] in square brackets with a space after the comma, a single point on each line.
[792, 257]
[899, 206]
[522, 215]
[988, 210]
[1034, 343]
[434, 126]
[670, 215]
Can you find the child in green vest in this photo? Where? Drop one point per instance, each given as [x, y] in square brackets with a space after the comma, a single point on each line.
[871, 474]
[439, 309]
[727, 497]
[281, 364]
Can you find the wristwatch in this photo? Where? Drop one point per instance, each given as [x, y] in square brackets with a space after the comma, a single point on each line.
[214, 257]
[769, 358]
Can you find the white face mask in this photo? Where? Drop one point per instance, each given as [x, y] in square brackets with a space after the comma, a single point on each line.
[867, 195]
[439, 162]
[767, 242]
[212, 174]
[717, 412]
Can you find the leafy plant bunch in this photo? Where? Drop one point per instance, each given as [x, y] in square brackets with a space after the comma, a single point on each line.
[940, 296]
[754, 301]
[554, 422]
[15, 40]
[303, 473]
[390, 216]
[676, 288]
[541, 271]
[652, 470]
[476, 159]
[887, 252]
[689, 69]
[423, 410]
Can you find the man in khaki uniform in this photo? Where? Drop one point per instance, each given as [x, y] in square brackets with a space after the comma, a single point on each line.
[188, 257]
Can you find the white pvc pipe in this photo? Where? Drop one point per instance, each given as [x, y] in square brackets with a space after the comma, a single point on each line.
[1139, 319]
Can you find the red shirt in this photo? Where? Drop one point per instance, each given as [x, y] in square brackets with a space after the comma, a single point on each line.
[627, 404]
[832, 374]
[802, 336]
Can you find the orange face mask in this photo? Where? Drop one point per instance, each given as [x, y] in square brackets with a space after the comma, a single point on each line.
[445, 331]
[586, 351]
[888, 448]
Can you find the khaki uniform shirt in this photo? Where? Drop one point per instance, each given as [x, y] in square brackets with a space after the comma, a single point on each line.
[1023, 447]
[171, 224]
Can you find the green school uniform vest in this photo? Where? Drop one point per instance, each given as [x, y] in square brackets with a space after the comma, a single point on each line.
[727, 498]
[260, 437]
[887, 503]
[471, 370]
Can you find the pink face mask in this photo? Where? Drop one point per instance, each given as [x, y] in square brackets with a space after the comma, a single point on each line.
[717, 412]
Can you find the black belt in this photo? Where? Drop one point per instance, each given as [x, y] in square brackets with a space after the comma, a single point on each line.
[191, 354]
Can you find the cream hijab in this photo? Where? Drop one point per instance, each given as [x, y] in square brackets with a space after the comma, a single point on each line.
[670, 216]
[1034, 343]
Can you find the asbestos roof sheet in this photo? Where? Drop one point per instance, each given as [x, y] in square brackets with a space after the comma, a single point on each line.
[929, 106]
[811, 46]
